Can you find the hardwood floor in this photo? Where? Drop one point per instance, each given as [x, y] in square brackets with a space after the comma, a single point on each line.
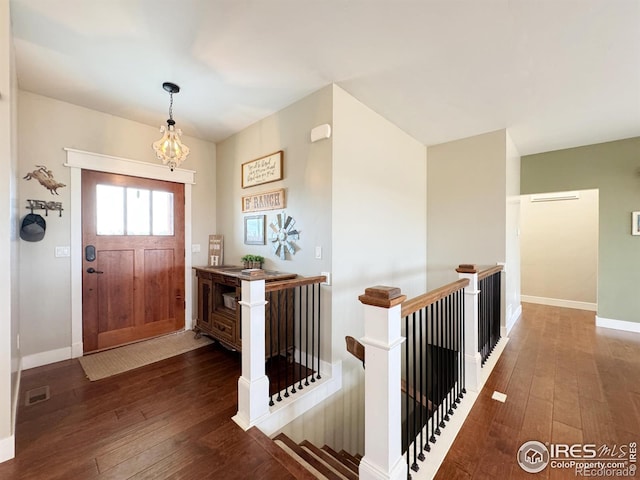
[171, 419]
[566, 382]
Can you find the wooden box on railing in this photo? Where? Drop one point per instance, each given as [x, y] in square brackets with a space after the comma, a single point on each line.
[219, 290]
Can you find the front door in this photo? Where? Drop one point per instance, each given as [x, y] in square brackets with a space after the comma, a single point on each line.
[133, 265]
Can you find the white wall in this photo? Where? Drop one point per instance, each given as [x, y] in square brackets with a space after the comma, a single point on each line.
[45, 127]
[9, 247]
[306, 180]
[360, 196]
[378, 212]
[307, 183]
[560, 249]
[467, 189]
[512, 305]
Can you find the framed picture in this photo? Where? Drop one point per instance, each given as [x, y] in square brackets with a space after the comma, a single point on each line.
[254, 230]
[262, 170]
[635, 223]
[216, 250]
[272, 200]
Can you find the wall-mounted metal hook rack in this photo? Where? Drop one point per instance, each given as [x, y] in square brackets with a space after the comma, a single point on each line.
[46, 206]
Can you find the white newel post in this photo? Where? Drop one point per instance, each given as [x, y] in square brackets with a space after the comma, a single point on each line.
[383, 417]
[472, 358]
[253, 385]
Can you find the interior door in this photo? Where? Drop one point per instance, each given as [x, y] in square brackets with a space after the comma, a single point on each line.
[133, 265]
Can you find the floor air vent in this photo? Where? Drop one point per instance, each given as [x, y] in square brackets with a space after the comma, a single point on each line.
[37, 395]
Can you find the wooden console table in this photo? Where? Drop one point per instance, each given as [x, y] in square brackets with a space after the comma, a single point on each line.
[219, 315]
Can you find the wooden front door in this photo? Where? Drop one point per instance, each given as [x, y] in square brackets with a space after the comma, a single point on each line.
[133, 259]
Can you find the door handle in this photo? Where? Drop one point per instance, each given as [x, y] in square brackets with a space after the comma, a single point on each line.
[93, 270]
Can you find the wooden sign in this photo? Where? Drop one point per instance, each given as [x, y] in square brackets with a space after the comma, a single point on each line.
[216, 250]
[263, 201]
[262, 170]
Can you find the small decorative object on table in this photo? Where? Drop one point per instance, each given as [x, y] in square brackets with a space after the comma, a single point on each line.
[252, 261]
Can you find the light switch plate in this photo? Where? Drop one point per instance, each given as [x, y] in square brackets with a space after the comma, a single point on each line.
[195, 248]
[63, 252]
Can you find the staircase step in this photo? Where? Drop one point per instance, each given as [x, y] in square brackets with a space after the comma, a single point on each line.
[350, 457]
[326, 457]
[344, 460]
[287, 461]
[310, 461]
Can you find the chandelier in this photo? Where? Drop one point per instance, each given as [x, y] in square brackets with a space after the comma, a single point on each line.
[170, 148]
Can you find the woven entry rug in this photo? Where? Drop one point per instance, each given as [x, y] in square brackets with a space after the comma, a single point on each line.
[122, 359]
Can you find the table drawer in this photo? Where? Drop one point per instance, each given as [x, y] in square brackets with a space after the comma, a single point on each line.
[225, 329]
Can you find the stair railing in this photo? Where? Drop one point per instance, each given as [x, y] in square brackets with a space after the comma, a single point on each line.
[293, 359]
[281, 332]
[421, 357]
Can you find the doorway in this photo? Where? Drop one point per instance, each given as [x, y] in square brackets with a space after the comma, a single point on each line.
[133, 241]
[559, 249]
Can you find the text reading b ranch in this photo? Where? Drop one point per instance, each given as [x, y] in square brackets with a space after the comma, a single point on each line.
[263, 201]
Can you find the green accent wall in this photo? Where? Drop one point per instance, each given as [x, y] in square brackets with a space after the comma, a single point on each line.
[614, 169]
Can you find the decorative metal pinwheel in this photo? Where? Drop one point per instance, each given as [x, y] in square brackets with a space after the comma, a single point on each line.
[283, 235]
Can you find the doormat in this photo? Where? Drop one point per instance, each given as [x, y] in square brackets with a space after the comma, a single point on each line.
[122, 359]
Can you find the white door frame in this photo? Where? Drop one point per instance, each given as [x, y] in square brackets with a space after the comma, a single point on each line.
[77, 160]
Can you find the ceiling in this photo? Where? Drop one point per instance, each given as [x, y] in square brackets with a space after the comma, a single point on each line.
[556, 73]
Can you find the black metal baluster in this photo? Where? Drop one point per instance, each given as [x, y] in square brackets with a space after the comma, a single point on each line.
[438, 377]
[278, 347]
[296, 294]
[286, 341]
[306, 296]
[407, 434]
[459, 326]
[414, 465]
[319, 328]
[422, 344]
[313, 335]
[448, 365]
[430, 373]
[306, 379]
[270, 361]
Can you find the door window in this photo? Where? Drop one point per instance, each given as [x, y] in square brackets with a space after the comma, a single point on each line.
[133, 211]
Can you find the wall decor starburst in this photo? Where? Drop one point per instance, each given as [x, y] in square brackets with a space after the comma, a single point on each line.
[283, 234]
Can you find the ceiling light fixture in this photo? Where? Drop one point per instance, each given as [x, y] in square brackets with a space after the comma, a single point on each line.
[170, 148]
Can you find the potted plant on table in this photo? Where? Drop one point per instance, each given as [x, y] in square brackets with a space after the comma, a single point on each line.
[252, 261]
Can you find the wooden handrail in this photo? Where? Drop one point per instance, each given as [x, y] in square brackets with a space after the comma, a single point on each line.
[355, 348]
[489, 271]
[421, 301]
[294, 282]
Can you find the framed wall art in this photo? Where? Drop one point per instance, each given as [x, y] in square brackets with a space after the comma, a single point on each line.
[262, 170]
[263, 201]
[254, 230]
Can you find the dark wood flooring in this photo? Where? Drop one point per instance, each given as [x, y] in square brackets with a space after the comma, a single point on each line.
[566, 382]
[171, 419]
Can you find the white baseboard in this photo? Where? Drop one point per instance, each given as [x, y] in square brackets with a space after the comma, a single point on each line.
[45, 358]
[77, 350]
[618, 324]
[16, 396]
[558, 302]
[7, 448]
[515, 316]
